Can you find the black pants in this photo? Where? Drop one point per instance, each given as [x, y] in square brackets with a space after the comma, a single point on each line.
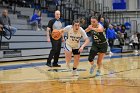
[55, 51]
[136, 46]
[111, 42]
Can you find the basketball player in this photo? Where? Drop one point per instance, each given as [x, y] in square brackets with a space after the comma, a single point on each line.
[99, 44]
[72, 44]
[56, 44]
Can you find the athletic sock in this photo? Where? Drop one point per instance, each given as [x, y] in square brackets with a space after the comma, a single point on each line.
[74, 68]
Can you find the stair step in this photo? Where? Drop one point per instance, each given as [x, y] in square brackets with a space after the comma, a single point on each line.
[23, 17]
[1, 54]
[116, 50]
[11, 53]
[4, 45]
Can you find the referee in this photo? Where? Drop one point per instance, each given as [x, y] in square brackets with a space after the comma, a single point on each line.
[54, 23]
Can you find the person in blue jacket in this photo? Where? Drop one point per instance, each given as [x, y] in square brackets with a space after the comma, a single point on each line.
[36, 20]
[110, 35]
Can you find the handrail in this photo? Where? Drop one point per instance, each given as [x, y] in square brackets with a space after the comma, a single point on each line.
[4, 34]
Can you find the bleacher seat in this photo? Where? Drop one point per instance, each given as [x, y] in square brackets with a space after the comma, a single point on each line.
[18, 21]
[1, 54]
[22, 26]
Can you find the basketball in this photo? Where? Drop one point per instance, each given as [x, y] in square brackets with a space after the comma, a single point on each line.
[56, 34]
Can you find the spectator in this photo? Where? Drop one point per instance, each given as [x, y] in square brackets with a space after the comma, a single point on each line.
[123, 30]
[110, 35]
[120, 38]
[115, 28]
[134, 40]
[120, 34]
[36, 20]
[83, 23]
[37, 4]
[104, 22]
[101, 21]
[92, 13]
[56, 2]
[119, 28]
[5, 22]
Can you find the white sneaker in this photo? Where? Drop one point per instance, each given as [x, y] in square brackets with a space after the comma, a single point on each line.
[110, 53]
[136, 51]
[136, 54]
[75, 73]
[130, 44]
[38, 29]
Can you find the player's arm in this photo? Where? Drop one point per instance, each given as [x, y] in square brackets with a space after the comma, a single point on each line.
[85, 44]
[65, 29]
[88, 28]
[62, 31]
[98, 29]
[49, 30]
[48, 34]
[86, 40]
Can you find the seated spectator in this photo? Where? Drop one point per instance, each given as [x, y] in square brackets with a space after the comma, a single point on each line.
[115, 28]
[119, 28]
[134, 40]
[120, 38]
[36, 20]
[123, 30]
[5, 23]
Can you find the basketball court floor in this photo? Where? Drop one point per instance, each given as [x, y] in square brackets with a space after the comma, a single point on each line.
[120, 74]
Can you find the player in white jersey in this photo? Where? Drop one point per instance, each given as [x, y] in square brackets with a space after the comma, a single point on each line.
[72, 44]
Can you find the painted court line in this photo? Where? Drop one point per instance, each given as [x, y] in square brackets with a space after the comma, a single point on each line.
[10, 67]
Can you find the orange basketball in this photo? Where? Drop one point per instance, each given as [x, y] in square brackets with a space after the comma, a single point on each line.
[56, 34]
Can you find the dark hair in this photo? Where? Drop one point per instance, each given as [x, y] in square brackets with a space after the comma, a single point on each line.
[75, 21]
[95, 17]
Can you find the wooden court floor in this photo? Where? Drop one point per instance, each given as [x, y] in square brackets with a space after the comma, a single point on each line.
[120, 74]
